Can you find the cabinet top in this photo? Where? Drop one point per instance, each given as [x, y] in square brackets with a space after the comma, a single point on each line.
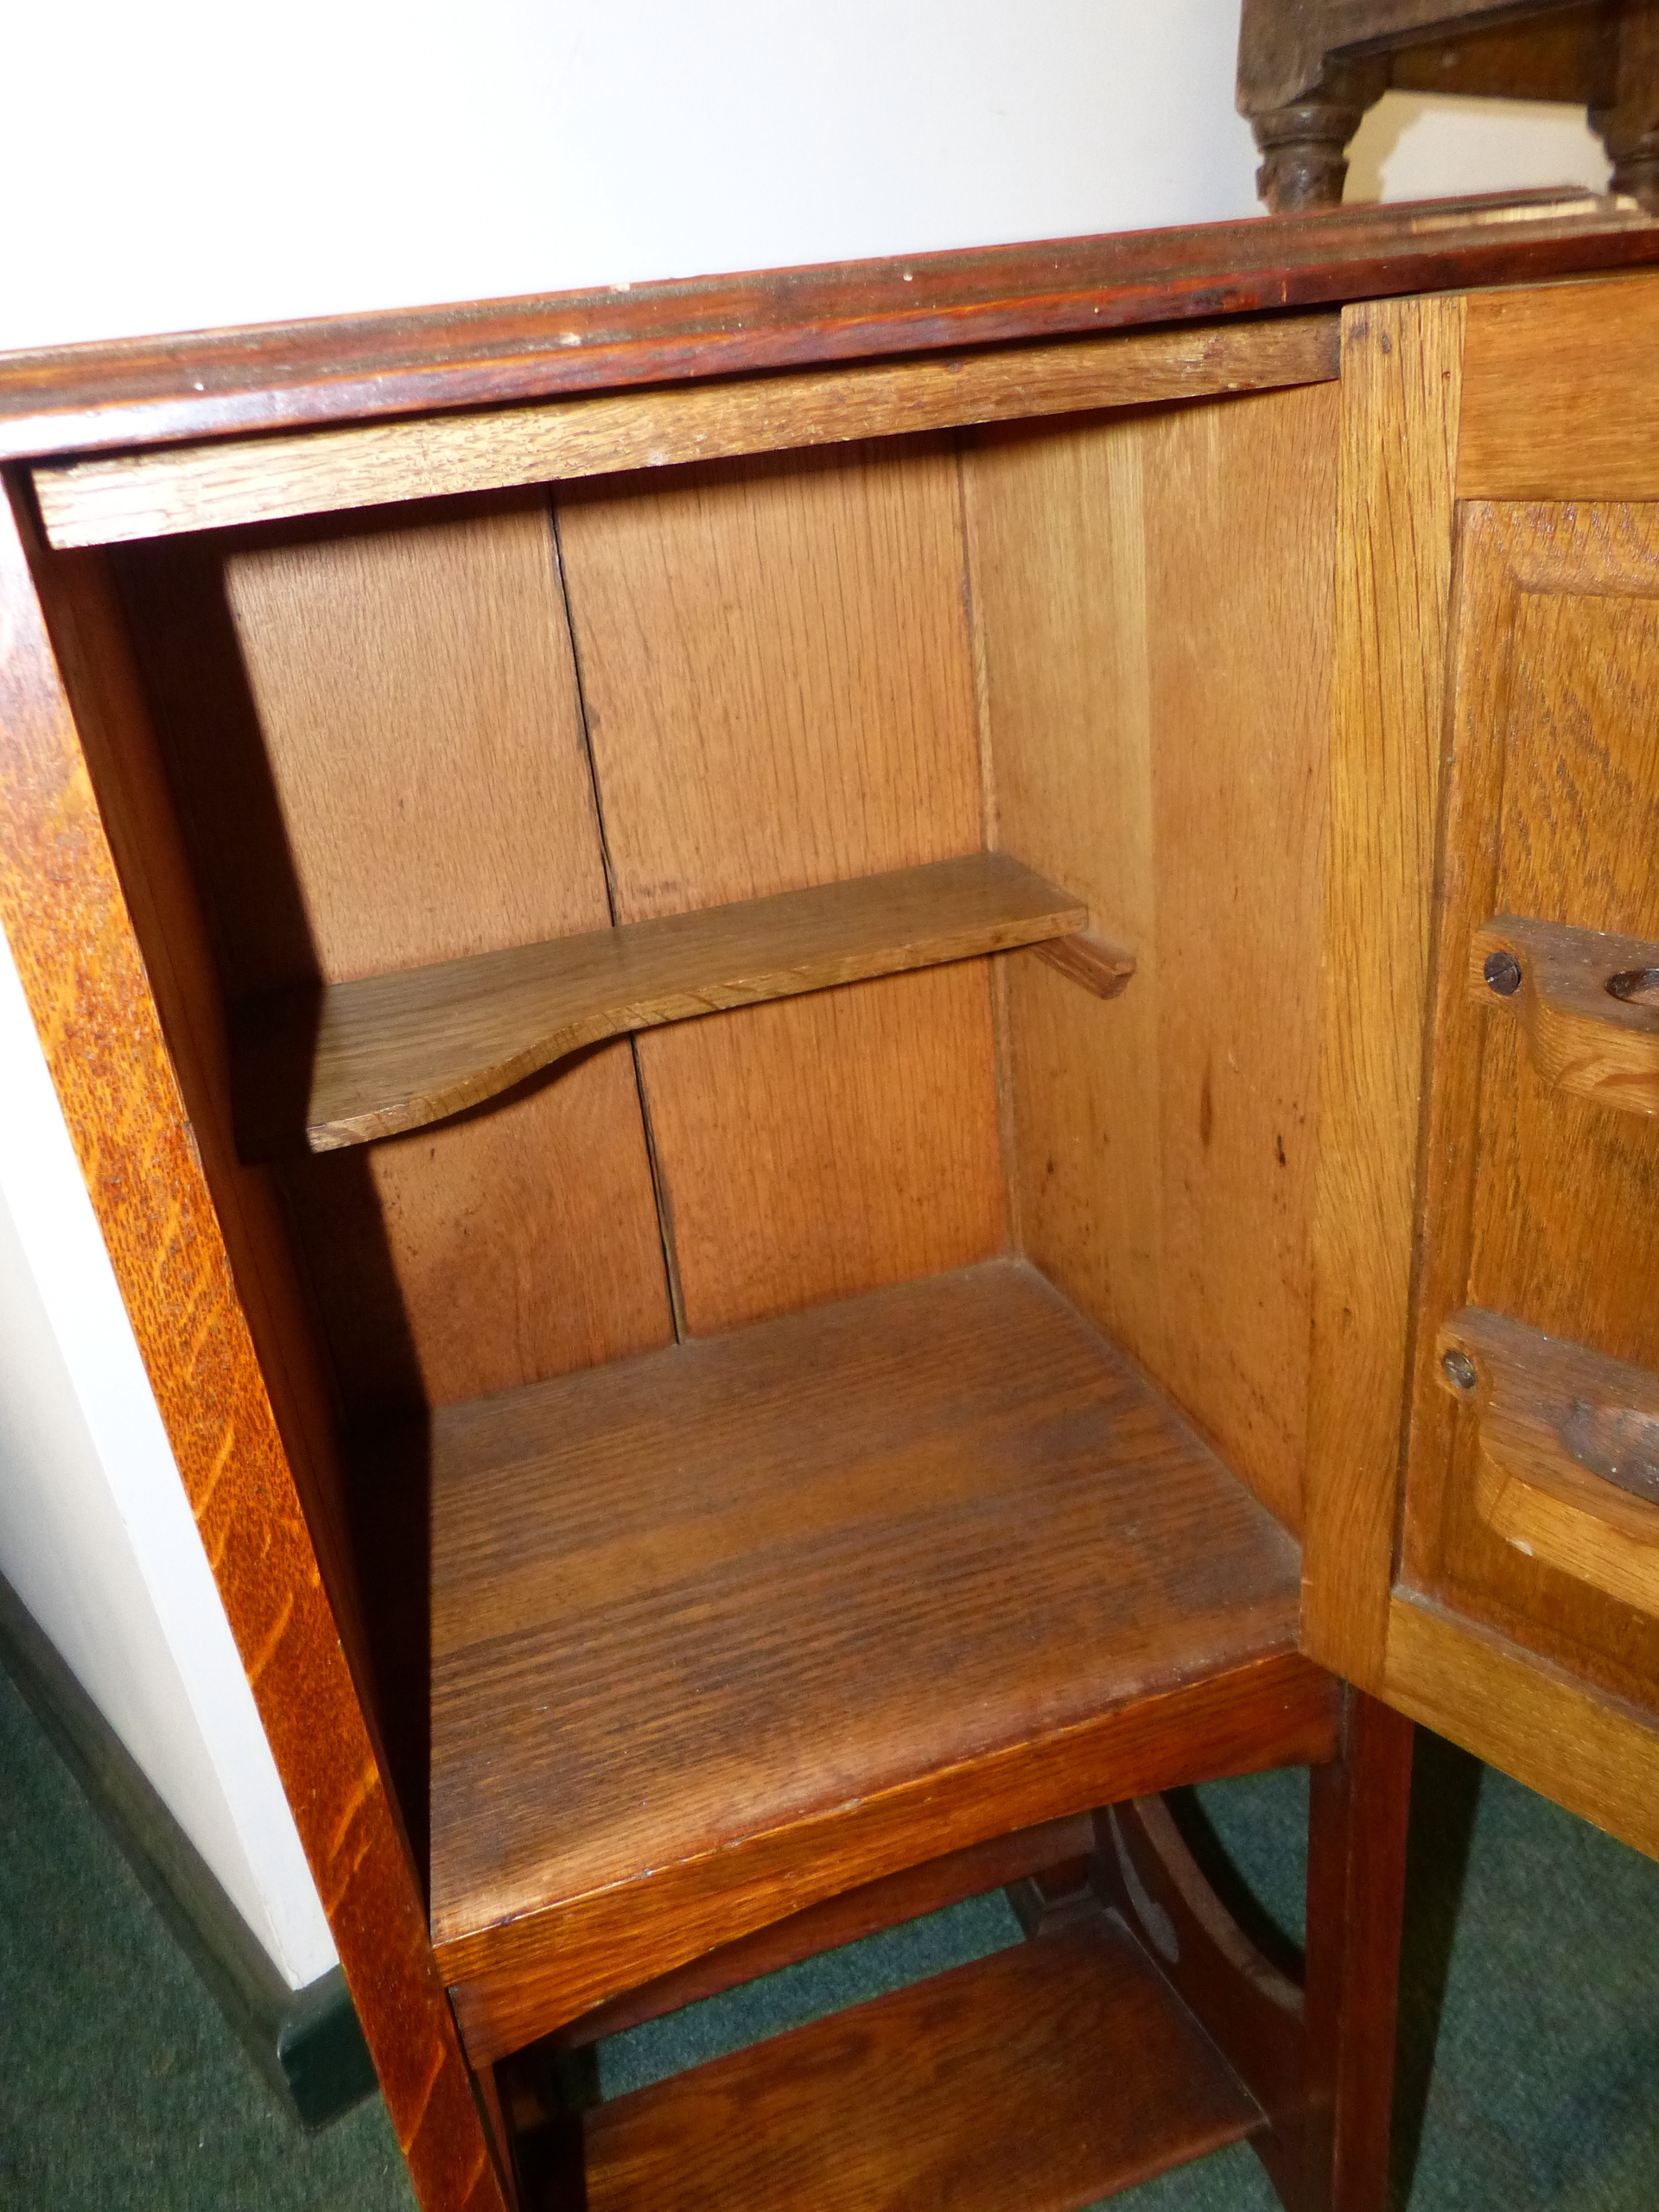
[139, 392]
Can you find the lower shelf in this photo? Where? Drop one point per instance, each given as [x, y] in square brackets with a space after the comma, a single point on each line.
[1046, 2076]
[733, 1627]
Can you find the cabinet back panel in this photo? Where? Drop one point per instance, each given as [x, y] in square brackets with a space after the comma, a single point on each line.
[777, 668]
[1155, 599]
[377, 739]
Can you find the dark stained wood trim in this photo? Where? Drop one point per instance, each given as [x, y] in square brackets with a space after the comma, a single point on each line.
[148, 390]
[72, 937]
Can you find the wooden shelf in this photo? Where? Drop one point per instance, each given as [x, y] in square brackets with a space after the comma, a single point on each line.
[807, 1604]
[318, 1070]
[1046, 2076]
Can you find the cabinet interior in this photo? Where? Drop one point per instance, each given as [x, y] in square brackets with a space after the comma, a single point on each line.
[336, 749]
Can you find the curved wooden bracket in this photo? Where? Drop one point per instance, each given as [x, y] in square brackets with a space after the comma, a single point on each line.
[1146, 1874]
[1568, 1469]
[1588, 1003]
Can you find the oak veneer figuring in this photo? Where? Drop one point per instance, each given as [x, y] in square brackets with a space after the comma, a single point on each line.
[367, 1059]
[684, 1602]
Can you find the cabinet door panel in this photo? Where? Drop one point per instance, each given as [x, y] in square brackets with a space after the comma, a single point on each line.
[1486, 1277]
[1541, 1202]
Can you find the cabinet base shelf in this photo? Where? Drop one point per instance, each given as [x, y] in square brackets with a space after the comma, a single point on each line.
[1049, 2076]
[735, 1626]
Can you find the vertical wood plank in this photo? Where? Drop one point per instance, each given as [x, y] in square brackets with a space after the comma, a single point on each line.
[1155, 599]
[1401, 362]
[778, 682]
[389, 770]
[1060, 589]
[72, 937]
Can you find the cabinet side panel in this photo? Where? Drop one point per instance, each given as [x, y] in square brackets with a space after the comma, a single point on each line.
[90, 638]
[1154, 595]
[1402, 361]
[376, 740]
[778, 681]
[72, 935]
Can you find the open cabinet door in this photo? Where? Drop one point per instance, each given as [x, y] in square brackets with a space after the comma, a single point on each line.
[1482, 1535]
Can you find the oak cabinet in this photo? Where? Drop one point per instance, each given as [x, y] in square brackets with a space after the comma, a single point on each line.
[1502, 1589]
[821, 1181]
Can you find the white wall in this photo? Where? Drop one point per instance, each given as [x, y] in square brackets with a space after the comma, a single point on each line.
[96, 1535]
[194, 162]
[1413, 148]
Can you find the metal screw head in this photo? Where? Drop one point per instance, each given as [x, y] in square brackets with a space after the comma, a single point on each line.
[1502, 973]
[1459, 1370]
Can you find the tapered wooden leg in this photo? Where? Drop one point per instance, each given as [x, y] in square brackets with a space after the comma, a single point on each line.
[1356, 1892]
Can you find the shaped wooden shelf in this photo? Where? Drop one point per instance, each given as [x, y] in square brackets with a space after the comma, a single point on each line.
[1047, 2076]
[318, 1070]
[731, 1627]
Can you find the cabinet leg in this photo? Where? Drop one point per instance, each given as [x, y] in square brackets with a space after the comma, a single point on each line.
[1355, 1893]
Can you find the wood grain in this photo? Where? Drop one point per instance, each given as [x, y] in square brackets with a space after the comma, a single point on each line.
[1394, 582]
[94, 651]
[1558, 403]
[1587, 1000]
[779, 685]
[980, 2088]
[149, 390]
[778, 1574]
[1280, 1711]
[344, 711]
[1545, 1205]
[72, 937]
[388, 1053]
[1592, 1753]
[1153, 601]
[262, 479]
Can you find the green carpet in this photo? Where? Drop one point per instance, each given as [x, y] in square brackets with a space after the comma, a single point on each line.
[1529, 2072]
